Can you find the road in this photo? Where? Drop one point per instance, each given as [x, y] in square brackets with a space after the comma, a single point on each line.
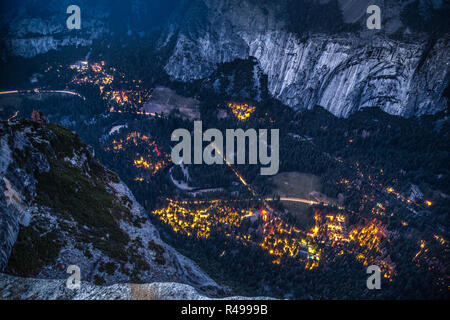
[36, 90]
[283, 199]
[266, 200]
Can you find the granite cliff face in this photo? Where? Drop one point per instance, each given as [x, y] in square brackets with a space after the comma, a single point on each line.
[398, 69]
[29, 28]
[342, 72]
[60, 207]
[345, 75]
[32, 28]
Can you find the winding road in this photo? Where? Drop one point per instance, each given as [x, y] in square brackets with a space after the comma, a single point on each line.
[74, 93]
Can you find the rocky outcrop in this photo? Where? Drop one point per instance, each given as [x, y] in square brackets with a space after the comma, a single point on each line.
[344, 75]
[32, 31]
[31, 47]
[17, 186]
[40, 289]
[30, 28]
[341, 72]
[60, 207]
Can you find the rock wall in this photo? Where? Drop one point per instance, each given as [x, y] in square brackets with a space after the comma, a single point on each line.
[114, 245]
[341, 72]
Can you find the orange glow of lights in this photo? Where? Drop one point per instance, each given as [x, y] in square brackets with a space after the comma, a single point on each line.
[242, 111]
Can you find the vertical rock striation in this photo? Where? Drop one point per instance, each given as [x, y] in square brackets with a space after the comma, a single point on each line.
[341, 72]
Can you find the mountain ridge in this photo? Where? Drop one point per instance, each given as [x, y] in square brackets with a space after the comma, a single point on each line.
[60, 207]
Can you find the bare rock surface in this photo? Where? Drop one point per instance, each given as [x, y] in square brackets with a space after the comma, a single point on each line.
[46, 289]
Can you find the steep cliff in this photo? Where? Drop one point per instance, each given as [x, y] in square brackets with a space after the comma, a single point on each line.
[33, 28]
[314, 52]
[341, 71]
[29, 28]
[60, 207]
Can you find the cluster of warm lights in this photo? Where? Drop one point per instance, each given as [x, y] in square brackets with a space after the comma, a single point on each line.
[281, 239]
[278, 238]
[153, 160]
[97, 67]
[427, 256]
[377, 202]
[362, 241]
[129, 101]
[279, 244]
[199, 221]
[81, 66]
[134, 138]
[422, 249]
[94, 74]
[141, 162]
[377, 186]
[398, 195]
[379, 210]
[335, 228]
[120, 101]
[153, 167]
[440, 239]
[368, 240]
[119, 97]
[242, 111]
[330, 229]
